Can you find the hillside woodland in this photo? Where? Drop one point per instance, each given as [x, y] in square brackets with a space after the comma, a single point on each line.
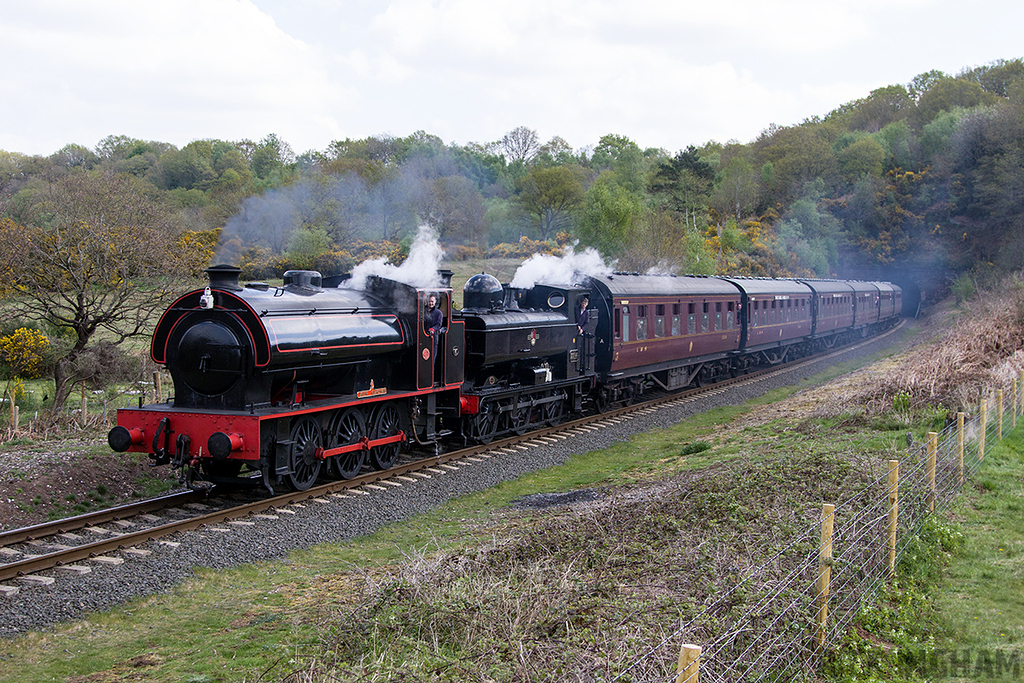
[920, 182]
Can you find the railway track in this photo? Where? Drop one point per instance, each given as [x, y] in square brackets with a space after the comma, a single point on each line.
[94, 537]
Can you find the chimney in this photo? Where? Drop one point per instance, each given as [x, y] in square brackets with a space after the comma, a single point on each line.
[224, 277]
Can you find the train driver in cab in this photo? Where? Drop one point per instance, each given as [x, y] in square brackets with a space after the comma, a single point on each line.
[433, 324]
[582, 314]
[582, 320]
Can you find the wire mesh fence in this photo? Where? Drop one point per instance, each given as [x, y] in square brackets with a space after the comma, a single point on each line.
[787, 624]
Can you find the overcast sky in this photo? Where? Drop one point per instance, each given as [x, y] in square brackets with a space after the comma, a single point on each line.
[665, 73]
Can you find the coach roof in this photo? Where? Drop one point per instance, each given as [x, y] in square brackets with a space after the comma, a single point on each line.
[755, 286]
[631, 284]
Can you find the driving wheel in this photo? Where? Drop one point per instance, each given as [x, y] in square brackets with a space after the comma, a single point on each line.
[347, 427]
[386, 423]
[302, 453]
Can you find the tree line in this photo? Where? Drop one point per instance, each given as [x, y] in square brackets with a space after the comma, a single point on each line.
[926, 175]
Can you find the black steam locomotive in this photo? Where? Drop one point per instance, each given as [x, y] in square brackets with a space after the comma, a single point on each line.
[314, 379]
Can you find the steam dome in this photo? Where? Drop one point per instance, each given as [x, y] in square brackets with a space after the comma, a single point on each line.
[482, 291]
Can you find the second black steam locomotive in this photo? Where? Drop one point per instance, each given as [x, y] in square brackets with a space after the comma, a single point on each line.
[310, 379]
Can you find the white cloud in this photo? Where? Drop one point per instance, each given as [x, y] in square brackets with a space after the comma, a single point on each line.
[173, 71]
[666, 73]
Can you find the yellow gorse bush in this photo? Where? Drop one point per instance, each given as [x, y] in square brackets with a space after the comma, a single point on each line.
[23, 351]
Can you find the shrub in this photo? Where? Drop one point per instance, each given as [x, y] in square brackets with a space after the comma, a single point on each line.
[464, 252]
[963, 288]
[524, 248]
[23, 353]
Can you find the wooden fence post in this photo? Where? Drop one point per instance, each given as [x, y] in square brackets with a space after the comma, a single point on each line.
[933, 448]
[894, 502]
[14, 418]
[688, 670]
[156, 387]
[981, 437]
[1013, 414]
[85, 408]
[960, 446]
[999, 413]
[824, 570]
[1020, 392]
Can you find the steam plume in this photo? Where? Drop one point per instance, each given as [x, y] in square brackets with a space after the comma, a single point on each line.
[418, 270]
[570, 268]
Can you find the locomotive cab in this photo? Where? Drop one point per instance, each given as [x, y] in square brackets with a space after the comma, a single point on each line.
[526, 363]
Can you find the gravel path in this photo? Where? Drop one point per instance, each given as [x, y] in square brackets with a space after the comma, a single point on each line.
[70, 597]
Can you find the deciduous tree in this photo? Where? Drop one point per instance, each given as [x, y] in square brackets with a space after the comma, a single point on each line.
[550, 195]
[100, 259]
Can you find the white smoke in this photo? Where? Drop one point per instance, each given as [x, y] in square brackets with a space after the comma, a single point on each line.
[662, 268]
[418, 270]
[568, 269]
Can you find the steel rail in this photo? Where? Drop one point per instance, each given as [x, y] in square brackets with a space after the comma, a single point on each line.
[69, 524]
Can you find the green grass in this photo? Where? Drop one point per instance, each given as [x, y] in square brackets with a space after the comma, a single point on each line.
[979, 606]
[956, 613]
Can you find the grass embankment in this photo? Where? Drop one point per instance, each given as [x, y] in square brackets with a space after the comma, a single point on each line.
[482, 590]
[956, 614]
[980, 605]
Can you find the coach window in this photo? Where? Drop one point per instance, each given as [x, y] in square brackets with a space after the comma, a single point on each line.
[641, 323]
[752, 310]
[789, 310]
[718, 315]
[691, 320]
[729, 316]
[705, 321]
[676, 328]
[659, 320]
[625, 323]
[618, 323]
